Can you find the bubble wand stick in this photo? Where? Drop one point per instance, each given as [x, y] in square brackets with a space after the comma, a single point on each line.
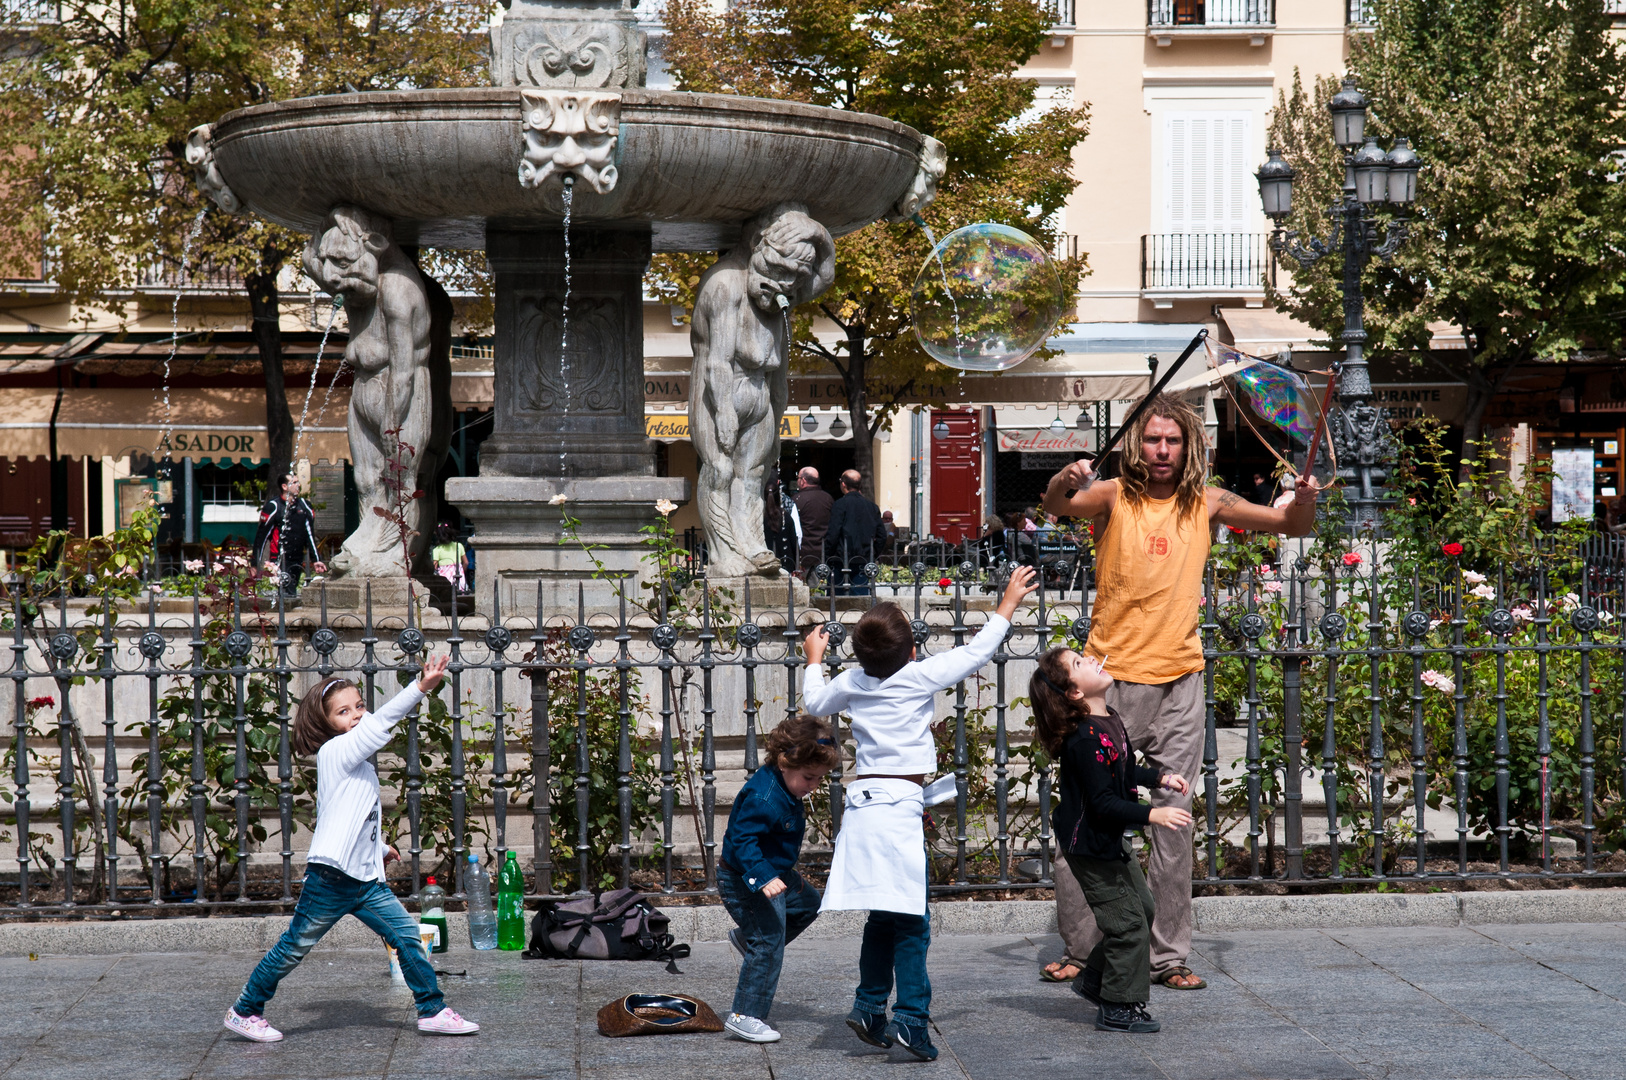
[1202, 335]
[1321, 421]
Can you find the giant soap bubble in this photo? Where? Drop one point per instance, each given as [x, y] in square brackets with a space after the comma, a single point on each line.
[986, 299]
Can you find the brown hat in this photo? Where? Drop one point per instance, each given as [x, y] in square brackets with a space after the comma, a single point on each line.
[656, 1014]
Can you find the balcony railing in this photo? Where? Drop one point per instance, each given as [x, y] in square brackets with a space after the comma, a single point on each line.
[30, 12]
[1199, 14]
[1063, 13]
[1195, 262]
[1616, 8]
[205, 278]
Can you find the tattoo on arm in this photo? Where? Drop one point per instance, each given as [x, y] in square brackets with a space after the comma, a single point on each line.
[1228, 499]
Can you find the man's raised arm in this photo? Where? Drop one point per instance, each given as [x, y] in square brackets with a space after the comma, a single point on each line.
[1296, 518]
[1090, 498]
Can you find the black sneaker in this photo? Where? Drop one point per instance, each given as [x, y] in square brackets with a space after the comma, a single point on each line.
[1088, 987]
[916, 1040]
[870, 1027]
[1131, 1018]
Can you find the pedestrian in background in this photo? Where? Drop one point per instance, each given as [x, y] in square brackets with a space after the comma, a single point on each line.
[854, 535]
[813, 505]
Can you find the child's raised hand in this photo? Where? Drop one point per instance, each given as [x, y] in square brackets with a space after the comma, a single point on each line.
[1170, 817]
[1023, 582]
[433, 670]
[815, 643]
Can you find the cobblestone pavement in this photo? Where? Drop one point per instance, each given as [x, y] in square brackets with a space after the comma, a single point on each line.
[1437, 1003]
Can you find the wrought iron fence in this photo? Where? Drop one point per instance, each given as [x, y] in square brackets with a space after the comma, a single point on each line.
[1061, 12]
[1426, 724]
[1197, 261]
[1215, 13]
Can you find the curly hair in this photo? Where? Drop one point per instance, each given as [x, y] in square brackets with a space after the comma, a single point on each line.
[803, 742]
[1193, 476]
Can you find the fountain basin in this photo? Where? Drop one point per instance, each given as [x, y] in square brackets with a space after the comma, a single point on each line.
[444, 164]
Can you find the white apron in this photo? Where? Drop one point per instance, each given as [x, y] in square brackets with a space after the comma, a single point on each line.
[880, 858]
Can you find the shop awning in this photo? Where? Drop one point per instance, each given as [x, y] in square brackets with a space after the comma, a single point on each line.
[202, 423]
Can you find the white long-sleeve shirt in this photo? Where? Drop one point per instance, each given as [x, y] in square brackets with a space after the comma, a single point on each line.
[892, 718]
[348, 834]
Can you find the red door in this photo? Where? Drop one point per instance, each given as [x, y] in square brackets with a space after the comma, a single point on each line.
[957, 477]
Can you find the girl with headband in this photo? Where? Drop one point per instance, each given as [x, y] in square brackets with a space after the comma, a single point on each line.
[345, 867]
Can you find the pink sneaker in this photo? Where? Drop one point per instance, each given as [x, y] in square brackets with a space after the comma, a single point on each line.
[445, 1022]
[251, 1027]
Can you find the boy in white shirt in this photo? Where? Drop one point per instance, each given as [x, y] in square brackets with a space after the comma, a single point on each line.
[879, 864]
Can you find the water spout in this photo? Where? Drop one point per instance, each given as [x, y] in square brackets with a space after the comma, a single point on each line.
[564, 332]
[304, 411]
[175, 321]
[931, 238]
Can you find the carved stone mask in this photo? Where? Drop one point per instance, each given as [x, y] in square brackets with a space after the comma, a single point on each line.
[792, 255]
[343, 258]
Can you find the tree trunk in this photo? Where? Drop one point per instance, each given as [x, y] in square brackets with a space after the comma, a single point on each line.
[1481, 389]
[264, 303]
[853, 384]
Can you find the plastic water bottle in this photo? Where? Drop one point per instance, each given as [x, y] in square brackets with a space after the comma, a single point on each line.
[511, 905]
[432, 912]
[482, 920]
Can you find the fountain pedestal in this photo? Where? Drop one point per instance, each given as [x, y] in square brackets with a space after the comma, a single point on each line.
[569, 421]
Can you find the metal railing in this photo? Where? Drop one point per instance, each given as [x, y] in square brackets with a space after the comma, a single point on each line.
[1456, 726]
[1210, 13]
[204, 278]
[1062, 13]
[1197, 261]
[1364, 12]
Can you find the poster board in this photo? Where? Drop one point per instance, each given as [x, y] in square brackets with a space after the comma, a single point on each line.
[1573, 494]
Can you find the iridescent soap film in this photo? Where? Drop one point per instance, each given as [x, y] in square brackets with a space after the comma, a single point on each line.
[986, 299]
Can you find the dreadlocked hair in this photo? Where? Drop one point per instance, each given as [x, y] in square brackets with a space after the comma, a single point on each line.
[1193, 476]
[1055, 715]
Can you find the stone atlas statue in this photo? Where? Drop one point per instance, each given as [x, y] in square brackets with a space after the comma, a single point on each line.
[740, 386]
[398, 421]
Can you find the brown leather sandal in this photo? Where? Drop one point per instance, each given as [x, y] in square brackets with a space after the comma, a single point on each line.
[1180, 971]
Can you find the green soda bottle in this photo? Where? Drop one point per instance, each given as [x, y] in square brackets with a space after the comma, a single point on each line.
[432, 911]
[510, 905]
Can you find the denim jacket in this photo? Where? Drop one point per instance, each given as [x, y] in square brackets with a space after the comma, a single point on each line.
[765, 829]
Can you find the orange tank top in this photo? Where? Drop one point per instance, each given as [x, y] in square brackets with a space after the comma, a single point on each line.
[1148, 579]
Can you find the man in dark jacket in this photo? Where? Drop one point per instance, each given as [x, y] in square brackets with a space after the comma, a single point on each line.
[855, 535]
[287, 536]
[813, 505]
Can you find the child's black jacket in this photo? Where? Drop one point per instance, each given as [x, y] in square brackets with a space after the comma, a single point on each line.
[1098, 796]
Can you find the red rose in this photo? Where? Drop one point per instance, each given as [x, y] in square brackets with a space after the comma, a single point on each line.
[945, 582]
[1452, 549]
[1351, 559]
[1239, 532]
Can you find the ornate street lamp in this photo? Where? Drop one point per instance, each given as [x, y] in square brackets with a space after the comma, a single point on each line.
[1373, 181]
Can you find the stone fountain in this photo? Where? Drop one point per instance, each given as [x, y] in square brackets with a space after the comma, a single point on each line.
[569, 169]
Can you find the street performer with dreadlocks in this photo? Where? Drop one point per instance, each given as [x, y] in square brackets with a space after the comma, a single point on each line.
[1153, 526]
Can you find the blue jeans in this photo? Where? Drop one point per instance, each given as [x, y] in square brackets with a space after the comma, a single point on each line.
[895, 944]
[767, 925]
[328, 896]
